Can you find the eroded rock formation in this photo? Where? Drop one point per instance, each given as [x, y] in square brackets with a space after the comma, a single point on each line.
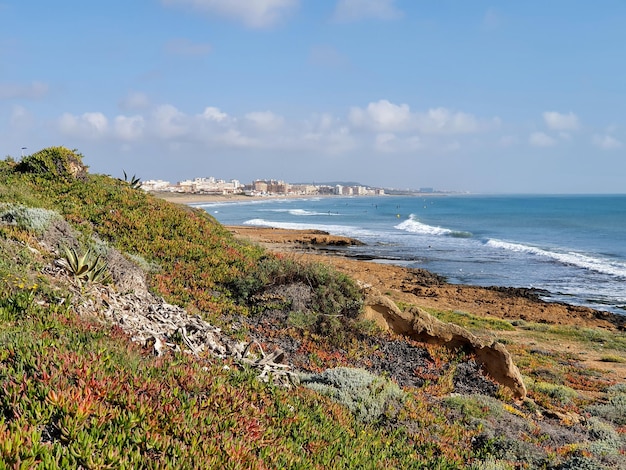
[416, 324]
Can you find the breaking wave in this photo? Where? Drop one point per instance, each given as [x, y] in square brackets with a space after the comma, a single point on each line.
[413, 225]
[571, 258]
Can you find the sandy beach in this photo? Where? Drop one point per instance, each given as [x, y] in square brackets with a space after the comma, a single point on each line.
[188, 198]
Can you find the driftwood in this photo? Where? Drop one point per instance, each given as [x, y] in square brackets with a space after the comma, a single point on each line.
[152, 322]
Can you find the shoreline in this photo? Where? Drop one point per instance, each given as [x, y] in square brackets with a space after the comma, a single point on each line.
[421, 287]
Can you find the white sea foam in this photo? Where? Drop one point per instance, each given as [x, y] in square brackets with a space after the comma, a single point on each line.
[413, 225]
[572, 258]
[302, 212]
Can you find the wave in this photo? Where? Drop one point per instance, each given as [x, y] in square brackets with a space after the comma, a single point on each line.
[302, 212]
[413, 225]
[571, 258]
[343, 230]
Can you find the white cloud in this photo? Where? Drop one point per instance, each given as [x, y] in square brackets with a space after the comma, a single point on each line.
[382, 127]
[265, 120]
[211, 113]
[539, 139]
[252, 13]
[129, 127]
[382, 116]
[233, 138]
[34, 90]
[561, 122]
[606, 142]
[355, 10]
[169, 122]
[88, 125]
[185, 47]
[443, 121]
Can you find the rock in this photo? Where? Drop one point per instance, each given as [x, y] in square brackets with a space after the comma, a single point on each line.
[421, 326]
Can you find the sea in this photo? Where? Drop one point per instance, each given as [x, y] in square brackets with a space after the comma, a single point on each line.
[570, 248]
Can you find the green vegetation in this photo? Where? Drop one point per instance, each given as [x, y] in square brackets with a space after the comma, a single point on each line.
[85, 268]
[594, 338]
[369, 397]
[133, 181]
[471, 322]
[76, 392]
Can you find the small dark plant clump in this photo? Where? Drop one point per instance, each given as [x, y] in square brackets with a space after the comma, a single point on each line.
[133, 181]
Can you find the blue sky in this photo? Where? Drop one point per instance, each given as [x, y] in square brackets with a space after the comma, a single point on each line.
[504, 97]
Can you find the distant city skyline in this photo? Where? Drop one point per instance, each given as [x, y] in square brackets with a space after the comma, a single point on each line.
[481, 96]
[205, 185]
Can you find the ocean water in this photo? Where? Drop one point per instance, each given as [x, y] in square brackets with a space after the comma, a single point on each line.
[573, 247]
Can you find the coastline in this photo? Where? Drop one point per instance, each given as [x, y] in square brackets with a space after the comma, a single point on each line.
[423, 287]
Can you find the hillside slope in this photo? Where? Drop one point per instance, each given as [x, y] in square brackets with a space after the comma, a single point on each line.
[84, 256]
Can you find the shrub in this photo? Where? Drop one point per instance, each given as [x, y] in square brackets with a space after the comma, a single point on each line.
[85, 268]
[333, 293]
[27, 218]
[559, 393]
[615, 410]
[364, 394]
[491, 464]
[54, 163]
[605, 439]
[475, 406]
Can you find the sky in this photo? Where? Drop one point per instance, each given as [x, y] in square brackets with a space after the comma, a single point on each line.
[479, 96]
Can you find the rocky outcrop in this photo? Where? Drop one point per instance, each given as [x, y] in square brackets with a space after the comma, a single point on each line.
[421, 326]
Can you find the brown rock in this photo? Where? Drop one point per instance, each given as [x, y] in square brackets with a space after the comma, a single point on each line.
[421, 326]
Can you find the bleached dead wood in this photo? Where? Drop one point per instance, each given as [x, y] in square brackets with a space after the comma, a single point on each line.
[151, 321]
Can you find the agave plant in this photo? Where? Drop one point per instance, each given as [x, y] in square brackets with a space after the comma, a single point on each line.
[133, 181]
[85, 268]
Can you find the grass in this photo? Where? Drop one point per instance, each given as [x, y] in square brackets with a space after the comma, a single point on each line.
[470, 321]
[592, 338]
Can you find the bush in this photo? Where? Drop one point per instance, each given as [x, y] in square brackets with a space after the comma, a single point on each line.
[475, 406]
[558, 393]
[605, 441]
[333, 293]
[27, 218]
[54, 163]
[364, 394]
[615, 410]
